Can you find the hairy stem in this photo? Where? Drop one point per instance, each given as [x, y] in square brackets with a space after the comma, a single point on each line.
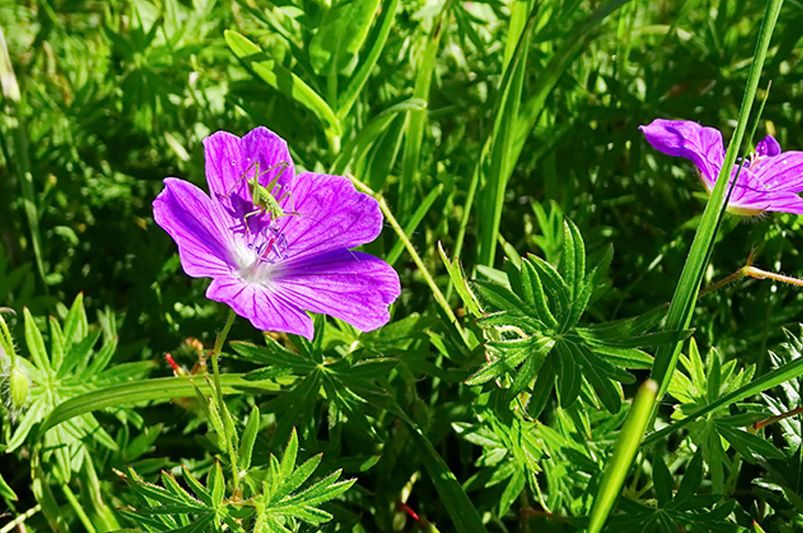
[228, 426]
[436, 292]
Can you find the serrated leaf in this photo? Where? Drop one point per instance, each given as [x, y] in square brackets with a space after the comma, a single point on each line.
[750, 446]
[569, 377]
[35, 342]
[534, 293]
[248, 438]
[216, 485]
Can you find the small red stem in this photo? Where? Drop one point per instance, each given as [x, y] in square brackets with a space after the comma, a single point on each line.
[410, 512]
[173, 364]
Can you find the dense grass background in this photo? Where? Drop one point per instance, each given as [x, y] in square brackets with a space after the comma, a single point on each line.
[117, 95]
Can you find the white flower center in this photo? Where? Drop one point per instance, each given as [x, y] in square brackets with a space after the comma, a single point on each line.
[252, 268]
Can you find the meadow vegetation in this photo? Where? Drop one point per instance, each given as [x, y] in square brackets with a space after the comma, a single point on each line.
[585, 337]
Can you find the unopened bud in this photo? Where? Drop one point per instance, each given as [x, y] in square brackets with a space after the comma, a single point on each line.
[18, 386]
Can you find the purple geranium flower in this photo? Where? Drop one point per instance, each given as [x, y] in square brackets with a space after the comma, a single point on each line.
[272, 269]
[770, 180]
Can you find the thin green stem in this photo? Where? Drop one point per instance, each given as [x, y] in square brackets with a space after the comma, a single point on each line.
[224, 412]
[20, 519]
[430, 281]
[78, 508]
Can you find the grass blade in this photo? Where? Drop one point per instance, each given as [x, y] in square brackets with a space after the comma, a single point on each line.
[11, 93]
[684, 300]
[146, 390]
[500, 143]
[285, 82]
[377, 40]
[416, 120]
[625, 451]
[415, 220]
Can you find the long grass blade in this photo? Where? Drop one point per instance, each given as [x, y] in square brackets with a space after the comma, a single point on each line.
[417, 120]
[146, 390]
[501, 165]
[285, 82]
[625, 451]
[684, 300]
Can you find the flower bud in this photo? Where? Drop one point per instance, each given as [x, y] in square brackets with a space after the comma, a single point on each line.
[18, 386]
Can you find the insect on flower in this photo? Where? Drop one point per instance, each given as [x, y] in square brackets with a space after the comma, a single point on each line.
[269, 267]
[263, 197]
[769, 180]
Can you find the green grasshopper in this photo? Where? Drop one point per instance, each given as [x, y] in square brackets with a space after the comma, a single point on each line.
[263, 197]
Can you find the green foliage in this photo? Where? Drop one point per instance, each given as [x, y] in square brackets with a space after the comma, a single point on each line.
[501, 139]
[272, 501]
[535, 326]
[69, 367]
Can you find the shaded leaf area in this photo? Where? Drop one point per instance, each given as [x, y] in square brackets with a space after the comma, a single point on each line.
[70, 366]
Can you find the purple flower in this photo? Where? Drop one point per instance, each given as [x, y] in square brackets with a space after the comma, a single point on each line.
[272, 269]
[770, 180]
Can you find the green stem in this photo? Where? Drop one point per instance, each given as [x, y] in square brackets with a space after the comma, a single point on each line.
[436, 292]
[78, 508]
[20, 519]
[228, 426]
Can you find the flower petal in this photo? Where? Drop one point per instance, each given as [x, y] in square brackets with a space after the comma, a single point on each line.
[683, 138]
[329, 214]
[782, 173]
[188, 215]
[263, 307]
[768, 146]
[786, 202]
[351, 286]
[231, 161]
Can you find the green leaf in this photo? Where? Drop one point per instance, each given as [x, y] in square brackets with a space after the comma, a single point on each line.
[533, 292]
[377, 43]
[692, 479]
[6, 492]
[35, 342]
[147, 390]
[216, 485]
[790, 370]
[569, 377]
[357, 148]
[662, 480]
[248, 438]
[752, 447]
[341, 34]
[282, 79]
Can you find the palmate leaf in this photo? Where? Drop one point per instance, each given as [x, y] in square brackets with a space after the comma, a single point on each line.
[346, 383]
[276, 497]
[510, 454]
[281, 507]
[703, 383]
[66, 367]
[532, 328]
[686, 509]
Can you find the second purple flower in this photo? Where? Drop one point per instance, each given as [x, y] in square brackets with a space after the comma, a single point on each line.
[770, 180]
